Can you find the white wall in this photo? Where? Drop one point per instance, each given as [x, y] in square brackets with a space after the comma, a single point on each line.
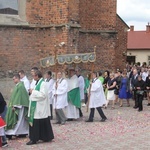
[141, 55]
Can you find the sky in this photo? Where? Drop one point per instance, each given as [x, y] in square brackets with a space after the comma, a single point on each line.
[134, 12]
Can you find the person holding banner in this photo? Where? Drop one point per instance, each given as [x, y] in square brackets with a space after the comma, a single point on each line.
[97, 98]
[59, 93]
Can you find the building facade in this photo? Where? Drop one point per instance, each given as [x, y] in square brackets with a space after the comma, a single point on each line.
[38, 26]
[138, 46]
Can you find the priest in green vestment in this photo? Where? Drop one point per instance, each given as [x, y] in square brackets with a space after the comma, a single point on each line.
[16, 116]
[74, 102]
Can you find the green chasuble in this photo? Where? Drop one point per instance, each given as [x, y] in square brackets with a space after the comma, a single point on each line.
[74, 97]
[33, 103]
[19, 97]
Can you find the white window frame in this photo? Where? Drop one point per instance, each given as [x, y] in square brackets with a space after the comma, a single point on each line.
[20, 19]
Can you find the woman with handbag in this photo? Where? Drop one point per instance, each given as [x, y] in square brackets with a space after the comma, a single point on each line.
[118, 77]
[111, 86]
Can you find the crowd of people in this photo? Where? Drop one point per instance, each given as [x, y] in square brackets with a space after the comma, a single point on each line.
[31, 105]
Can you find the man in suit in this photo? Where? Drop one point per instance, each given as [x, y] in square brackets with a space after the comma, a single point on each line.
[140, 87]
[134, 79]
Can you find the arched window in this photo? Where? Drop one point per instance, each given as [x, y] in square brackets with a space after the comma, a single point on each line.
[9, 7]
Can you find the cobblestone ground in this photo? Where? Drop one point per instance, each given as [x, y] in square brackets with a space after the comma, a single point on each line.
[125, 129]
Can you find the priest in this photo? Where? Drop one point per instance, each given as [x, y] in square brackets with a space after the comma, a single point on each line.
[60, 89]
[50, 82]
[16, 117]
[81, 88]
[39, 112]
[74, 102]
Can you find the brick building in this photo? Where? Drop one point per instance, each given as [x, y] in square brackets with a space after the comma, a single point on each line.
[30, 35]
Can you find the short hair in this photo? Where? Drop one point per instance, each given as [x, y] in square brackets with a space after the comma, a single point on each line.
[49, 73]
[34, 68]
[38, 73]
[16, 76]
[21, 71]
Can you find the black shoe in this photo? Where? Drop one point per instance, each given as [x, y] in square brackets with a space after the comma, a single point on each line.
[103, 120]
[89, 120]
[135, 107]
[139, 110]
[4, 144]
[81, 115]
[22, 136]
[57, 122]
[30, 143]
[148, 104]
[69, 119]
[9, 137]
[46, 141]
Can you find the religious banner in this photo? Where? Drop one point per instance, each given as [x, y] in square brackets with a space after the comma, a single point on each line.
[68, 59]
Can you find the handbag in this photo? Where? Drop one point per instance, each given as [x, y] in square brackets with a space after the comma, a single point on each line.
[139, 92]
[116, 91]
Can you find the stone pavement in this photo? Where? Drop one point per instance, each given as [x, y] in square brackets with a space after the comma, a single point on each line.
[125, 129]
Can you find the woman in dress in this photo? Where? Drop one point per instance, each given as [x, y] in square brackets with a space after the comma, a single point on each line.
[124, 92]
[118, 77]
[111, 86]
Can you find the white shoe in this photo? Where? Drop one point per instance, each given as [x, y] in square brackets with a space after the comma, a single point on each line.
[4, 144]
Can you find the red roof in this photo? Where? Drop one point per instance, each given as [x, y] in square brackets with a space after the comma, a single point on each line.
[138, 40]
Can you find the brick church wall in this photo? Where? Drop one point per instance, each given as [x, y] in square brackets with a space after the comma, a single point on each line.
[81, 24]
[46, 12]
[121, 43]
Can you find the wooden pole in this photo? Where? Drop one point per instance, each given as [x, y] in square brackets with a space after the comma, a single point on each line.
[89, 94]
[56, 75]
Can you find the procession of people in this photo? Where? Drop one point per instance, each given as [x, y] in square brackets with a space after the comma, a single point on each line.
[32, 106]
